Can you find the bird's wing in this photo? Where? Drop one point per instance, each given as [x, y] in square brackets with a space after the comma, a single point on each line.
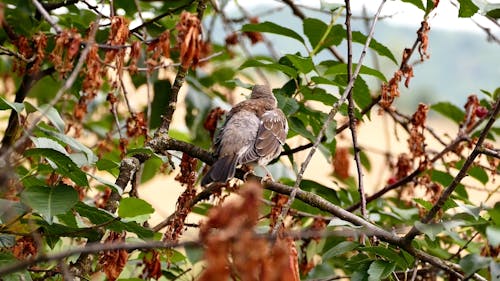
[271, 135]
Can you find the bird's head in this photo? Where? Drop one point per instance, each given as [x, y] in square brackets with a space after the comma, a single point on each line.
[262, 92]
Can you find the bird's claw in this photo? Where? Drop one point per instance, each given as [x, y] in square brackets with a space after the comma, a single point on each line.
[248, 174]
[267, 178]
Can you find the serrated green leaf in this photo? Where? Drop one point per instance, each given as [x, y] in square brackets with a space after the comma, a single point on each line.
[106, 164]
[50, 201]
[132, 207]
[379, 270]
[297, 126]
[441, 177]
[340, 249]
[390, 254]
[314, 29]
[101, 217]
[474, 262]
[341, 68]
[449, 110]
[271, 27]
[379, 48]
[361, 93]
[7, 258]
[275, 66]
[467, 8]
[320, 95]
[5, 104]
[424, 203]
[495, 14]
[479, 174]
[53, 115]
[431, 229]
[107, 183]
[418, 3]
[303, 64]
[288, 105]
[65, 166]
[73, 143]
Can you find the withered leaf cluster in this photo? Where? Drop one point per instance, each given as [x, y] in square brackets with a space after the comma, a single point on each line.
[233, 249]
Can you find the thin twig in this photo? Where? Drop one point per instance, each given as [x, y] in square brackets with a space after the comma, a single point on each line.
[91, 248]
[331, 115]
[350, 111]
[46, 16]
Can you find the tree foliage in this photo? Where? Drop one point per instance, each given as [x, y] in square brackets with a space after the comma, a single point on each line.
[89, 92]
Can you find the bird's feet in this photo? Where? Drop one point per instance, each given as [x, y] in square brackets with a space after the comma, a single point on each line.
[248, 174]
[268, 178]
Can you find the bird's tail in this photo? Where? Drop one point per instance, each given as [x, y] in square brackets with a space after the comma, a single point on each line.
[222, 170]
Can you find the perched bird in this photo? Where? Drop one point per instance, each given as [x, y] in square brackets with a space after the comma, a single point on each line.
[253, 133]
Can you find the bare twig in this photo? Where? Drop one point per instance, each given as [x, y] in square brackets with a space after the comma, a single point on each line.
[296, 11]
[350, 110]
[46, 16]
[331, 115]
[91, 248]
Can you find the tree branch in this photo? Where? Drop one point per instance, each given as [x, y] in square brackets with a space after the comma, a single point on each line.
[461, 174]
[329, 119]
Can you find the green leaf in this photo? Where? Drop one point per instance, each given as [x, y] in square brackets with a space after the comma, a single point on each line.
[382, 50]
[379, 270]
[340, 249]
[73, 143]
[449, 110]
[467, 8]
[418, 3]
[493, 234]
[495, 213]
[133, 207]
[495, 13]
[431, 229]
[303, 64]
[50, 201]
[271, 27]
[424, 203]
[479, 174]
[101, 217]
[390, 254]
[7, 258]
[5, 104]
[106, 164]
[441, 177]
[162, 90]
[361, 93]
[296, 125]
[319, 94]
[341, 68]
[107, 183]
[65, 166]
[275, 66]
[474, 262]
[314, 29]
[53, 115]
[288, 105]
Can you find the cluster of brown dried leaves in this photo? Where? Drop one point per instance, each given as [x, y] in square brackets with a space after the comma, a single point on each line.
[234, 250]
[113, 262]
[186, 177]
[390, 91]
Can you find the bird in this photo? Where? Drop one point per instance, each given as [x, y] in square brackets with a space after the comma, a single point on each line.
[253, 133]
